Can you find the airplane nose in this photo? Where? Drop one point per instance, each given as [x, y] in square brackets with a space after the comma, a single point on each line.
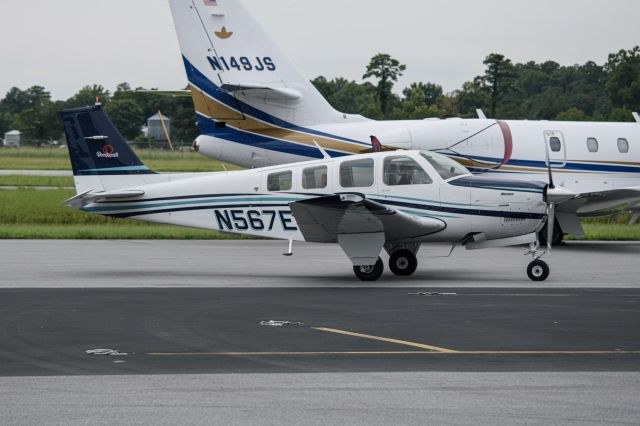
[195, 146]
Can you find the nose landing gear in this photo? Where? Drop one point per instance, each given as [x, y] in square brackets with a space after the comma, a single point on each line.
[537, 270]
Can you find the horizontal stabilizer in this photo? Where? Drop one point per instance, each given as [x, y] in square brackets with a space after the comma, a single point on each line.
[169, 93]
[89, 197]
[263, 91]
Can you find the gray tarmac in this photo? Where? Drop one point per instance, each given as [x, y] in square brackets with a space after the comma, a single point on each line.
[468, 340]
[157, 264]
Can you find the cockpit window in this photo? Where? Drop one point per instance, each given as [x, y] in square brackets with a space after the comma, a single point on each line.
[404, 171]
[445, 166]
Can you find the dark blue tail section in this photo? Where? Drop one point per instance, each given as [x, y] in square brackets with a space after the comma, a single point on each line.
[96, 147]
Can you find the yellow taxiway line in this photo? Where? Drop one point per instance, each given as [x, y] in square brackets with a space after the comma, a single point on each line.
[364, 353]
[425, 349]
[388, 340]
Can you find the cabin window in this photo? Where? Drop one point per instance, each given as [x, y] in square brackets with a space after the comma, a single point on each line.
[314, 178]
[280, 181]
[404, 171]
[356, 174]
[555, 144]
[623, 145]
[592, 144]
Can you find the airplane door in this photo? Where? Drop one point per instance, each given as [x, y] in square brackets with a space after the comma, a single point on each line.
[556, 148]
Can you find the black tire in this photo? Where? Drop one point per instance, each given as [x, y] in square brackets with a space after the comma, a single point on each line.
[403, 263]
[369, 273]
[538, 270]
[558, 235]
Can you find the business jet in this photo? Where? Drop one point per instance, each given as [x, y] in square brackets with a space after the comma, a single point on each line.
[366, 202]
[255, 109]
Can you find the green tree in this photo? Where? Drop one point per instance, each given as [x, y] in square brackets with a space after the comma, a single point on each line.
[350, 97]
[623, 82]
[88, 96]
[127, 115]
[497, 77]
[572, 114]
[386, 70]
[430, 91]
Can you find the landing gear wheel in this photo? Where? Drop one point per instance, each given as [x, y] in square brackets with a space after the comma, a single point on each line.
[558, 235]
[369, 272]
[403, 263]
[538, 270]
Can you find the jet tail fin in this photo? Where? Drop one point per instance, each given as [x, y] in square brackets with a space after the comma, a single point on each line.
[237, 74]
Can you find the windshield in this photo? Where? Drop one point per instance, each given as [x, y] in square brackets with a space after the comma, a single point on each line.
[445, 166]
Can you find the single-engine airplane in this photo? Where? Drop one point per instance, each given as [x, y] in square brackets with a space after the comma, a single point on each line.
[255, 109]
[364, 203]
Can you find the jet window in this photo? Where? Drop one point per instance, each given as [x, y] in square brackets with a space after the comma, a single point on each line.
[356, 174]
[555, 144]
[445, 166]
[280, 181]
[314, 178]
[623, 145]
[592, 144]
[404, 171]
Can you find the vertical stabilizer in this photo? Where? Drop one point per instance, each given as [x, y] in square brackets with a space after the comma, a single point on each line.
[238, 75]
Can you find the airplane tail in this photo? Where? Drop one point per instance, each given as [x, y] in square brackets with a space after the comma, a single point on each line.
[238, 76]
[99, 154]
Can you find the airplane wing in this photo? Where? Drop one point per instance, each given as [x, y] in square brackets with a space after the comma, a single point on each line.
[89, 197]
[592, 203]
[360, 226]
[323, 219]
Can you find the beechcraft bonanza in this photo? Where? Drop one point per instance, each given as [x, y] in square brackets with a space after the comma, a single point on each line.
[393, 200]
[255, 109]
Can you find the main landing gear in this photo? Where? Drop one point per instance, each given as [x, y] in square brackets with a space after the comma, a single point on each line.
[402, 262]
[369, 272]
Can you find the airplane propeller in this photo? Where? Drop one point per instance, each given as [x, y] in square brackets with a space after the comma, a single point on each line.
[554, 195]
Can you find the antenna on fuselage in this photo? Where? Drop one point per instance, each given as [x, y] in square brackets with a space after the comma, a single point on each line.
[325, 155]
[636, 117]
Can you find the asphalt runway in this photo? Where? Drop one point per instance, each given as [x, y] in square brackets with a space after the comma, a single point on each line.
[468, 339]
[192, 331]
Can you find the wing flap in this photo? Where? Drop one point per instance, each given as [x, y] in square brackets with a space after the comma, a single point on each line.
[324, 219]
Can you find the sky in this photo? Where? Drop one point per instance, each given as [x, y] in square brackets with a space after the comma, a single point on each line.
[66, 44]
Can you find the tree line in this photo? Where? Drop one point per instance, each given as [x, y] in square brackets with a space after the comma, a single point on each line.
[506, 90]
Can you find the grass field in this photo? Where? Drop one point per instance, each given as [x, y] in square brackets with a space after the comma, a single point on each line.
[26, 181]
[157, 160]
[31, 214]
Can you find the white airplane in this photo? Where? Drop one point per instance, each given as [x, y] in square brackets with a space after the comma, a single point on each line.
[367, 202]
[255, 109]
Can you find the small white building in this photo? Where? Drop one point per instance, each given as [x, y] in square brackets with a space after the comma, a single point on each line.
[12, 138]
